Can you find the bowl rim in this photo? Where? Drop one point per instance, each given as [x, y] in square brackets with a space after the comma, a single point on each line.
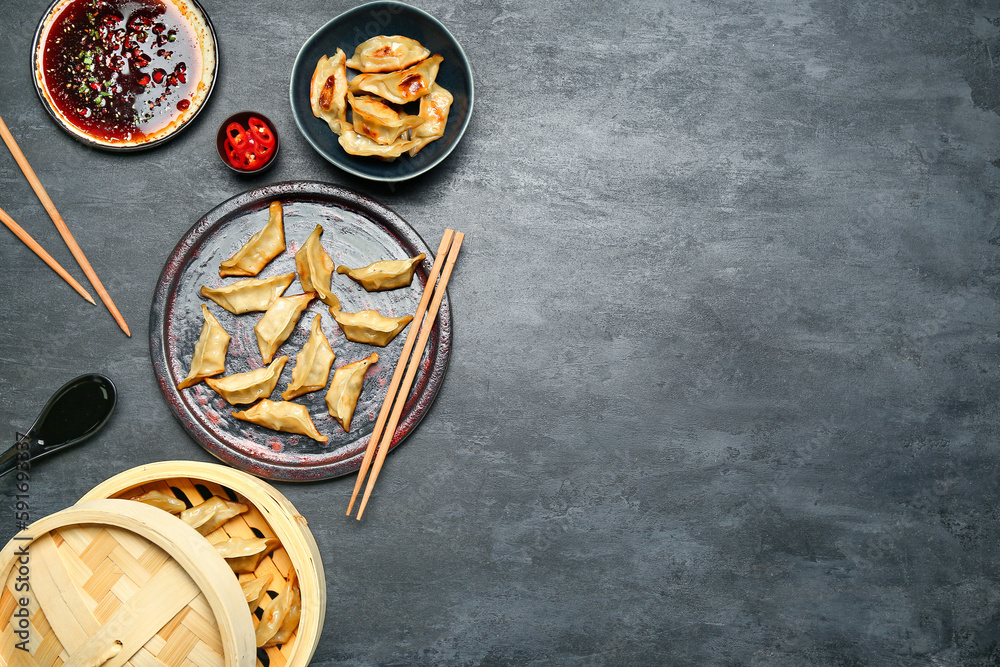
[467, 66]
[92, 142]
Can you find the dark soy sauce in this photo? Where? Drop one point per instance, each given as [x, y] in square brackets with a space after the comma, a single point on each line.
[75, 413]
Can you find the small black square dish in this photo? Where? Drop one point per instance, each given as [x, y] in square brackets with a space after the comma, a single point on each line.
[346, 32]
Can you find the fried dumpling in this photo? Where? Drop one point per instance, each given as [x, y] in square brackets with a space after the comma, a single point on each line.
[315, 267]
[282, 416]
[252, 294]
[345, 389]
[327, 91]
[244, 388]
[399, 87]
[378, 121]
[262, 247]
[358, 144]
[244, 554]
[209, 352]
[254, 590]
[293, 614]
[211, 514]
[387, 54]
[384, 274]
[312, 365]
[434, 108]
[278, 322]
[370, 326]
[162, 501]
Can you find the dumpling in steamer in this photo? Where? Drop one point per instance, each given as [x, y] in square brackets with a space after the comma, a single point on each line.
[162, 501]
[252, 294]
[370, 326]
[434, 108]
[345, 389]
[282, 416]
[243, 555]
[209, 352]
[385, 274]
[244, 388]
[262, 247]
[254, 590]
[327, 91]
[211, 514]
[387, 54]
[312, 365]
[358, 144]
[292, 618]
[378, 121]
[399, 87]
[315, 267]
[278, 322]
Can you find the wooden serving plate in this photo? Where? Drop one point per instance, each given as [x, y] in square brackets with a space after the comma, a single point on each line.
[114, 582]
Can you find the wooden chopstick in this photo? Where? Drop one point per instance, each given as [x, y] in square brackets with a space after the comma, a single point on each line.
[397, 375]
[67, 236]
[46, 257]
[411, 371]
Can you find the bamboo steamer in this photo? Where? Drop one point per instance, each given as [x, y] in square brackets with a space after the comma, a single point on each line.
[270, 514]
[113, 582]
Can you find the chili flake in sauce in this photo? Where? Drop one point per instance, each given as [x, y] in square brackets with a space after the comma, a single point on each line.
[121, 70]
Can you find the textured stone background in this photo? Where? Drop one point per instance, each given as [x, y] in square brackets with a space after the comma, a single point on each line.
[724, 389]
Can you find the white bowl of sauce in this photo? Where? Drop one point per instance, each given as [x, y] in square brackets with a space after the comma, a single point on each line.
[121, 74]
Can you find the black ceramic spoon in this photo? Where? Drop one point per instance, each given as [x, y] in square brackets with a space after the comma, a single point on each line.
[77, 411]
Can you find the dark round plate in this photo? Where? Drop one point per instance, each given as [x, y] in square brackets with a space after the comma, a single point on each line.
[346, 32]
[357, 231]
[201, 30]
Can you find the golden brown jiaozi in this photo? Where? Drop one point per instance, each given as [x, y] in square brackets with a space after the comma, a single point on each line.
[244, 555]
[282, 416]
[255, 589]
[262, 247]
[434, 108]
[274, 615]
[370, 326]
[387, 54]
[292, 617]
[358, 144]
[384, 274]
[312, 365]
[399, 87]
[328, 90]
[209, 352]
[315, 267]
[244, 388]
[161, 500]
[252, 294]
[277, 324]
[211, 514]
[345, 389]
[378, 121]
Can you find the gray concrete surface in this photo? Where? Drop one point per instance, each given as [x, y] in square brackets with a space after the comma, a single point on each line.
[724, 388]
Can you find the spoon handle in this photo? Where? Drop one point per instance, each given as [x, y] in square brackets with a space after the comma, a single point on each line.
[8, 460]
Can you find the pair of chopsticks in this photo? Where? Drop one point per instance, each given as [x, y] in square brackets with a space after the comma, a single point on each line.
[423, 322]
[74, 247]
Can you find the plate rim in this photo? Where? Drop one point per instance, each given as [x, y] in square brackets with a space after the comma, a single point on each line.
[466, 64]
[165, 287]
[62, 123]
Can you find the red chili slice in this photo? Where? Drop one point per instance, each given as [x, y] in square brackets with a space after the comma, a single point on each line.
[261, 132]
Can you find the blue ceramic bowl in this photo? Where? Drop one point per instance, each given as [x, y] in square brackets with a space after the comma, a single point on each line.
[346, 32]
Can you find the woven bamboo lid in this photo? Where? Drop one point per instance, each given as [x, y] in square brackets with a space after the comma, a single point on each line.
[270, 515]
[112, 582]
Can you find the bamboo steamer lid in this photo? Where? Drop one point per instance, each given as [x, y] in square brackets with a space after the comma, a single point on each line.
[112, 582]
[270, 514]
